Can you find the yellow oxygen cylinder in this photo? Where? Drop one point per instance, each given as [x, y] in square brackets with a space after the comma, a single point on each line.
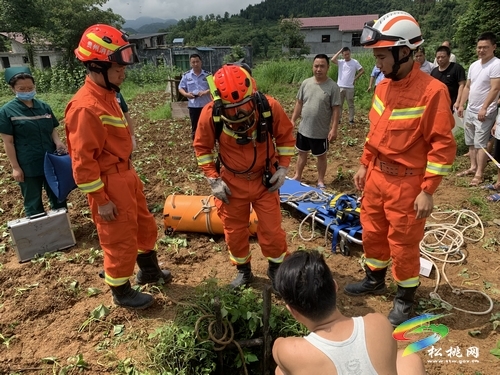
[194, 213]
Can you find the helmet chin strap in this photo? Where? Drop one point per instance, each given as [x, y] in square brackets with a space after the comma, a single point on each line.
[102, 68]
[397, 63]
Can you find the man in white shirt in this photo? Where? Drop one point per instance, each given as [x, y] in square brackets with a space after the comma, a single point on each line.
[349, 71]
[481, 90]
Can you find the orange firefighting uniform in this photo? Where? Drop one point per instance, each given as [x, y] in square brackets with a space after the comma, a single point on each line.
[247, 189]
[100, 146]
[409, 148]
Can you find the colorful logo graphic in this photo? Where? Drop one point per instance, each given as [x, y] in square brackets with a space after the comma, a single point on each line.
[420, 324]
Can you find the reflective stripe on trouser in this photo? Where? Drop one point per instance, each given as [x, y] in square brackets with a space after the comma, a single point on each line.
[133, 230]
[235, 217]
[389, 225]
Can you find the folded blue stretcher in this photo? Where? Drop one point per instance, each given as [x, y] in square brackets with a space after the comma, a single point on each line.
[337, 213]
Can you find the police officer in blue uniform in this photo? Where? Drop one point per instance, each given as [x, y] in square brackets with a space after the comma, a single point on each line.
[194, 86]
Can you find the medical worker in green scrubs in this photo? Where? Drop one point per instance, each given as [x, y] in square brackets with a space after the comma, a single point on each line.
[28, 130]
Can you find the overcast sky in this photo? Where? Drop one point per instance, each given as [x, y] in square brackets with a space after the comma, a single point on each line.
[176, 9]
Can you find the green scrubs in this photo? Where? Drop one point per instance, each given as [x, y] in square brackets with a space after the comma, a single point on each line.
[32, 131]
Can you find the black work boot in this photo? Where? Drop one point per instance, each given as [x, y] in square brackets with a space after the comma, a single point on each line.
[403, 305]
[271, 272]
[373, 283]
[243, 277]
[149, 270]
[125, 296]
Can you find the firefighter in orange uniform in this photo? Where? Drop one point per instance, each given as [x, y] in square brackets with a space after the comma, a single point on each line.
[408, 150]
[100, 145]
[246, 125]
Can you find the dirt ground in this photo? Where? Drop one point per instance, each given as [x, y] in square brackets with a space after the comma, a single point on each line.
[45, 306]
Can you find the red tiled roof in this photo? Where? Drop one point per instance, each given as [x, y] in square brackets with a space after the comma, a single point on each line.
[344, 23]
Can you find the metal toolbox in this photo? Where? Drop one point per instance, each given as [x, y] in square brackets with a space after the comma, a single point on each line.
[40, 234]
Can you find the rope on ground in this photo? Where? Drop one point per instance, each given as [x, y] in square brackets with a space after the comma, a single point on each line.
[226, 337]
[307, 196]
[444, 240]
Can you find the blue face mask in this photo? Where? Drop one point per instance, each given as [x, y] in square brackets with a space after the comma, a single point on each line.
[26, 95]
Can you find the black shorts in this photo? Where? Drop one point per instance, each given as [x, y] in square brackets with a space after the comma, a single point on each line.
[317, 147]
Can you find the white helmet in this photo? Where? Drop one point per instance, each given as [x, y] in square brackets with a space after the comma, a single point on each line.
[393, 29]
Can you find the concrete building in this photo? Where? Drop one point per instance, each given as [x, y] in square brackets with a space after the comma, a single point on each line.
[329, 34]
[44, 55]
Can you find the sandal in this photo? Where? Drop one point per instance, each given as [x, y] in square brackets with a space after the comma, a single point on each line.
[476, 181]
[494, 187]
[321, 186]
[468, 172]
[493, 198]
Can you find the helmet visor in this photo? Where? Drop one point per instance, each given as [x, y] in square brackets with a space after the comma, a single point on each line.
[370, 36]
[239, 118]
[126, 55]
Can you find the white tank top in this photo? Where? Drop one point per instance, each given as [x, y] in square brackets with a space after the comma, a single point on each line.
[350, 356]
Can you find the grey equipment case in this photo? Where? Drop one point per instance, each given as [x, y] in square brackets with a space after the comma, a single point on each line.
[39, 234]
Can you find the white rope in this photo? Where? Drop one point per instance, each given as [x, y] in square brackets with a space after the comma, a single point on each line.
[307, 196]
[444, 240]
[206, 208]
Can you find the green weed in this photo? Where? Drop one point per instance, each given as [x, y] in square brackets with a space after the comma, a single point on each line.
[162, 112]
[496, 351]
[178, 348]
[5, 340]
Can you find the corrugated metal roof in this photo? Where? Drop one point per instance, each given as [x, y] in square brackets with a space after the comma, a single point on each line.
[344, 23]
[178, 40]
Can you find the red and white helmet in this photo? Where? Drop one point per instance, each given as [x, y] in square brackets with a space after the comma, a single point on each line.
[394, 29]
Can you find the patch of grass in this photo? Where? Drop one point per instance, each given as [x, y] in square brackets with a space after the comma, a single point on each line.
[183, 346]
[462, 148]
[162, 112]
[481, 206]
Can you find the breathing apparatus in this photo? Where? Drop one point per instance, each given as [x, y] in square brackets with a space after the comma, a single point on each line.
[261, 133]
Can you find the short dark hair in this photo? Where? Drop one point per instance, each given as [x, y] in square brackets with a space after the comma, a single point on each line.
[306, 284]
[194, 55]
[19, 76]
[346, 49]
[322, 56]
[420, 49]
[488, 36]
[444, 49]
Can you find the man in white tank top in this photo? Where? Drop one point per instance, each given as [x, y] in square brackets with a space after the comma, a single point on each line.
[337, 344]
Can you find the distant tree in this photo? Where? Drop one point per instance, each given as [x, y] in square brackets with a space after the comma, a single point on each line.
[66, 21]
[60, 22]
[480, 16]
[290, 36]
[25, 17]
[4, 44]
[237, 53]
